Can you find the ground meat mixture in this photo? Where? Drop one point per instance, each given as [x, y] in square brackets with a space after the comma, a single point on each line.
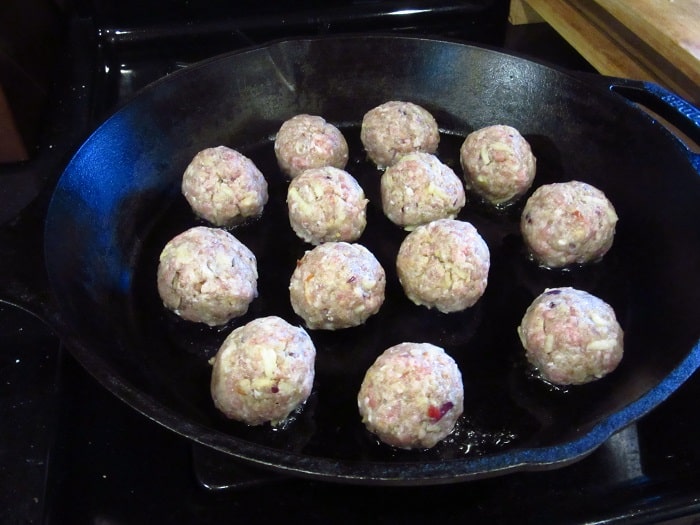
[308, 141]
[326, 204]
[418, 189]
[571, 336]
[224, 187]
[395, 128]
[411, 396]
[206, 275]
[498, 163]
[337, 285]
[444, 265]
[568, 223]
[263, 371]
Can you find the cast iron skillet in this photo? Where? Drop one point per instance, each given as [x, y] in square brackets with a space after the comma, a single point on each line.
[118, 202]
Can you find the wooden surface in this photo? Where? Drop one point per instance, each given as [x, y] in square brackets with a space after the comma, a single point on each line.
[655, 40]
[12, 147]
[671, 27]
[522, 13]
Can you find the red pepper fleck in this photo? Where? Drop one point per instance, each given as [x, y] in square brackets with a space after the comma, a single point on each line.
[274, 389]
[437, 413]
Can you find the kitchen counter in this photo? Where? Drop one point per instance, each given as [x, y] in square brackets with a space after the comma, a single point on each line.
[653, 40]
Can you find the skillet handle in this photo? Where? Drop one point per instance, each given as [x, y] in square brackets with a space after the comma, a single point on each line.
[659, 102]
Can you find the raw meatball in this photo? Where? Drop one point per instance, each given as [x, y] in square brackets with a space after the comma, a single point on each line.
[263, 371]
[418, 189]
[224, 187]
[498, 163]
[412, 396]
[396, 128]
[337, 285]
[326, 204]
[571, 336]
[568, 222]
[208, 276]
[308, 141]
[444, 265]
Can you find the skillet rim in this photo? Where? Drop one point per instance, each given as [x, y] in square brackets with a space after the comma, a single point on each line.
[368, 472]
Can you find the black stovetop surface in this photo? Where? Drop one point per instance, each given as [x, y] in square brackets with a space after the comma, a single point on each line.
[76, 454]
[71, 453]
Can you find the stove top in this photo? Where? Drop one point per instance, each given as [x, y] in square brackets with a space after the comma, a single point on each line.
[73, 453]
[79, 455]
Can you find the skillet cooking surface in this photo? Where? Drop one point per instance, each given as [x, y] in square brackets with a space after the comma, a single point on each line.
[119, 202]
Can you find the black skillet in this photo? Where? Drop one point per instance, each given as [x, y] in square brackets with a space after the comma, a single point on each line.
[118, 202]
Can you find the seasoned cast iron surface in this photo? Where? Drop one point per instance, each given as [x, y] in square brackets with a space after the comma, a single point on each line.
[118, 203]
[506, 405]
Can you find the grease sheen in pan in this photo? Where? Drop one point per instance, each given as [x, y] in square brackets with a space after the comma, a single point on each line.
[118, 202]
